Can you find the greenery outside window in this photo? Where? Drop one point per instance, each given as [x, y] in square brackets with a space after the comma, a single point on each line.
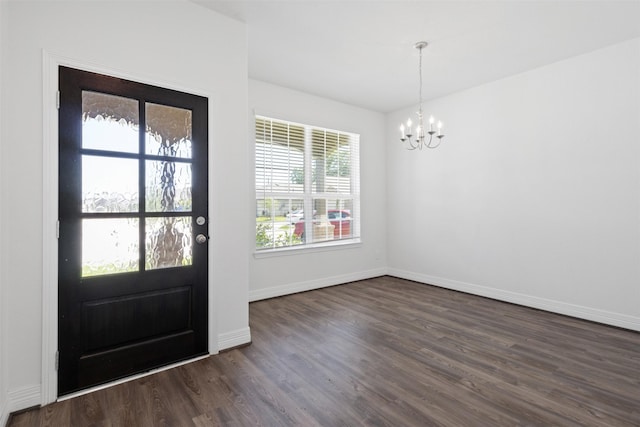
[307, 185]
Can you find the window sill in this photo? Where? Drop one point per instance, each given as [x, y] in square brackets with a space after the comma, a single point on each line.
[311, 248]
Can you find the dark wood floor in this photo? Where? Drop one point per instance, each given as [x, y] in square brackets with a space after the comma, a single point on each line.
[386, 352]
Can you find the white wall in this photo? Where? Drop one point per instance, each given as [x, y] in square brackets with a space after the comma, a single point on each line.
[4, 411]
[308, 269]
[173, 43]
[534, 195]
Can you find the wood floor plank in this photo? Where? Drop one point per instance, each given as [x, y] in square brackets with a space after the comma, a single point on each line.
[385, 352]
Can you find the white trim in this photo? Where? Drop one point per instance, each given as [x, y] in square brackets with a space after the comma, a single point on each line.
[292, 288]
[49, 227]
[559, 307]
[4, 414]
[129, 378]
[234, 338]
[213, 301]
[4, 411]
[4, 372]
[50, 63]
[310, 248]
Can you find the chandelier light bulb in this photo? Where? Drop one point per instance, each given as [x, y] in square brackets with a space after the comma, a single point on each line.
[421, 141]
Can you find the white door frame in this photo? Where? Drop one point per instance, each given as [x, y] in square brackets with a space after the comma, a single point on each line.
[50, 64]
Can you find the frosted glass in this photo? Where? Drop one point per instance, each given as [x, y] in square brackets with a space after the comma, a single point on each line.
[109, 122]
[168, 186]
[168, 242]
[109, 246]
[168, 131]
[109, 184]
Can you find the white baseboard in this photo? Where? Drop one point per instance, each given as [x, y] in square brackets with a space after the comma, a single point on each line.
[17, 400]
[234, 338]
[581, 312]
[292, 288]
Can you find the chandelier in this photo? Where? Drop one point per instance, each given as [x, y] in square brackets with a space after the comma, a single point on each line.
[420, 140]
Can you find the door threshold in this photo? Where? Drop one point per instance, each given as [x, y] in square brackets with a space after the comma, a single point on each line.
[127, 379]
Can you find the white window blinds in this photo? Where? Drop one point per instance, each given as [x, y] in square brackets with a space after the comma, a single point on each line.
[307, 185]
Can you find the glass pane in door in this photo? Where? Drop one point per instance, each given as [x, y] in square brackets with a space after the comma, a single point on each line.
[168, 131]
[168, 242]
[109, 245]
[109, 184]
[168, 186]
[110, 122]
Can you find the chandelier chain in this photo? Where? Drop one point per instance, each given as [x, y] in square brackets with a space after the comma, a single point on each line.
[420, 90]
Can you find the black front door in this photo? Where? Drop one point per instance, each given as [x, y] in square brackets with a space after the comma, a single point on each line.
[132, 284]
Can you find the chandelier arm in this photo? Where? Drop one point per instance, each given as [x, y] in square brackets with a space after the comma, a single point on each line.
[434, 146]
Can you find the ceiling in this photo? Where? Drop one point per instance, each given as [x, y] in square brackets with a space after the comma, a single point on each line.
[361, 52]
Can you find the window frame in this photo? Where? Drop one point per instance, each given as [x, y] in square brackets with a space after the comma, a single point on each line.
[309, 196]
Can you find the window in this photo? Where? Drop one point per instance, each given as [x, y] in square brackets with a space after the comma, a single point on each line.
[307, 185]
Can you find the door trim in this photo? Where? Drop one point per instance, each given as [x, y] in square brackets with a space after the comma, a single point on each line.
[50, 64]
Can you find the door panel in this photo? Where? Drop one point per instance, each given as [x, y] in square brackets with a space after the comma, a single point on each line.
[114, 321]
[132, 278]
